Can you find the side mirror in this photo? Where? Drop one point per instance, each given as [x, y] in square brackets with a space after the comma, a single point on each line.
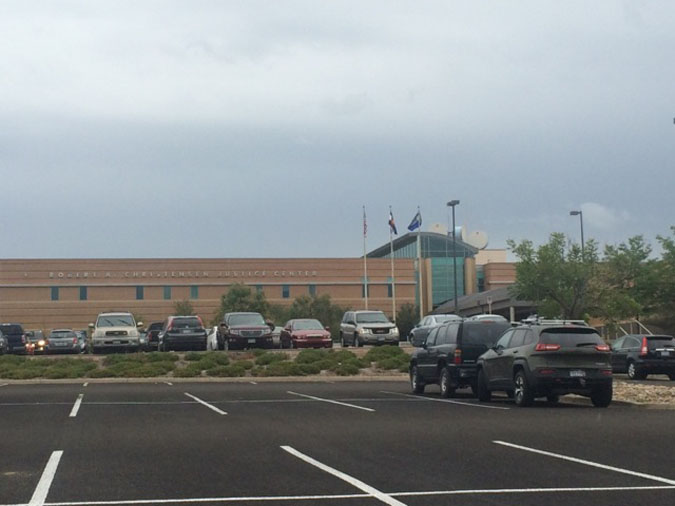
[270, 324]
[327, 328]
[139, 324]
[91, 326]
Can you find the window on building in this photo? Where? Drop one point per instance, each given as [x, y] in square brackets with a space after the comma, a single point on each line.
[83, 293]
[258, 288]
[363, 290]
[390, 288]
[139, 293]
[194, 292]
[285, 291]
[312, 290]
[167, 293]
[55, 293]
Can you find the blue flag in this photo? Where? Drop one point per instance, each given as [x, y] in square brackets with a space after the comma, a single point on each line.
[416, 221]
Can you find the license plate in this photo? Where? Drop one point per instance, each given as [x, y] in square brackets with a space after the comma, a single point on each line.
[380, 338]
[577, 374]
[186, 331]
[665, 354]
[251, 341]
[117, 342]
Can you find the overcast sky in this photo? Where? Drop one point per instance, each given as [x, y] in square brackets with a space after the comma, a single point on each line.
[260, 129]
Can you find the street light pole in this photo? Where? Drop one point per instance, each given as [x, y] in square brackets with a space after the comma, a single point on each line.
[452, 204]
[581, 221]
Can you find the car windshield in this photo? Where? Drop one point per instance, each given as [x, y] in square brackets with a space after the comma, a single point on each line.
[371, 318]
[483, 332]
[62, 334]
[307, 325]
[119, 320]
[246, 319]
[186, 323]
[571, 338]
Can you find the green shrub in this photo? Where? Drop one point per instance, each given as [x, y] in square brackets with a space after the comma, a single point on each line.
[193, 356]
[383, 352]
[269, 358]
[227, 371]
[341, 355]
[404, 367]
[102, 373]
[12, 359]
[389, 363]
[308, 369]
[311, 356]
[187, 372]
[124, 358]
[280, 368]
[246, 364]
[161, 356]
[346, 369]
[324, 365]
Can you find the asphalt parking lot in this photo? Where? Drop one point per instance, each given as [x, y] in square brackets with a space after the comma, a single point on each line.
[352, 443]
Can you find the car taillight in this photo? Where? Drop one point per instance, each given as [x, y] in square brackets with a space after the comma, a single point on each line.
[74, 340]
[546, 371]
[458, 356]
[602, 347]
[606, 372]
[201, 323]
[547, 347]
[644, 349]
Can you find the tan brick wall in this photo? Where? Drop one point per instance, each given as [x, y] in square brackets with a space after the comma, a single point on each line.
[25, 285]
[499, 274]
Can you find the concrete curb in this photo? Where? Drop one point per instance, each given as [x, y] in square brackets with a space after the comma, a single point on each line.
[240, 379]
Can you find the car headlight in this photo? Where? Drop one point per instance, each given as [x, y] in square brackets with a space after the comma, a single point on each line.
[235, 332]
[394, 330]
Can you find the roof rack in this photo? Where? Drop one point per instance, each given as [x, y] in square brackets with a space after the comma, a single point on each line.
[535, 320]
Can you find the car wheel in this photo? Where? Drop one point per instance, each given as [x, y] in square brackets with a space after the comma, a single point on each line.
[634, 373]
[482, 391]
[357, 341]
[416, 383]
[523, 393]
[553, 398]
[601, 397]
[447, 388]
[672, 377]
[342, 341]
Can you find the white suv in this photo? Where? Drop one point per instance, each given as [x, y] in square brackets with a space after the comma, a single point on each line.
[115, 331]
[367, 327]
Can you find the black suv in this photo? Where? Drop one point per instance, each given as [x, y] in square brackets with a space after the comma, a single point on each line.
[547, 359]
[640, 355]
[244, 330]
[16, 339]
[448, 357]
[152, 334]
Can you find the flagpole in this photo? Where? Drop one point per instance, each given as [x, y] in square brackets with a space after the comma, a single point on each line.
[419, 266]
[393, 278]
[365, 262]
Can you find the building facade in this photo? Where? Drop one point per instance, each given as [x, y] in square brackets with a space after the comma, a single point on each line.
[48, 294]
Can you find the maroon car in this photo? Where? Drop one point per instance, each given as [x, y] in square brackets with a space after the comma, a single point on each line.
[305, 333]
[239, 331]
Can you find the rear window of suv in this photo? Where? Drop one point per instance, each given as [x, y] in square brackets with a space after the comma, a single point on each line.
[186, 323]
[570, 337]
[11, 329]
[660, 341]
[483, 332]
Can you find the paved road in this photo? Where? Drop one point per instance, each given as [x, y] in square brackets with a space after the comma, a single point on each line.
[322, 444]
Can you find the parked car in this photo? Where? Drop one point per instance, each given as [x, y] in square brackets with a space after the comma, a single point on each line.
[305, 333]
[115, 331]
[547, 359]
[16, 339]
[244, 330]
[641, 355]
[65, 341]
[182, 333]
[152, 334]
[450, 354]
[3, 344]
[36, 344]
[367, 327]
[420, 331]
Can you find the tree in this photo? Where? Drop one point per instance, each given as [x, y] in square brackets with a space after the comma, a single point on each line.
[661, 280]
[556, 276]
[406, 318]
[183, 308]
[240, 298]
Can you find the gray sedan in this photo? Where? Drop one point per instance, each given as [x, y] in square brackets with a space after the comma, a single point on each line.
[66, 341]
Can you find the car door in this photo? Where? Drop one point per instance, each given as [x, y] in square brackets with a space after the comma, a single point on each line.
[495, 360]
[426, 364]
[619, 355]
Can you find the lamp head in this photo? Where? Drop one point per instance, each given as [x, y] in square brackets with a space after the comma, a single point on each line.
[453, 203]
[575, 213]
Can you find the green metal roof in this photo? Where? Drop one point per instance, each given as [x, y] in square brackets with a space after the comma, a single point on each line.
[433, 246]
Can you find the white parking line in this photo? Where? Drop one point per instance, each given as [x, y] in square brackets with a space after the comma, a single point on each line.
[253, 383]
[331, 401]
[46, 479]
[169, 383]
[296, 498]
[588, 463]
[76, 406]
[377, 494]
[219, 411]
[4, 384]
[86, 384]
[448, 401]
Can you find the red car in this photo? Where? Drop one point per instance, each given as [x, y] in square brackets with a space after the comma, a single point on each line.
[305, 333]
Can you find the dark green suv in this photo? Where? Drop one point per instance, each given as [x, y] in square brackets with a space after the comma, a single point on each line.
[547, 359]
